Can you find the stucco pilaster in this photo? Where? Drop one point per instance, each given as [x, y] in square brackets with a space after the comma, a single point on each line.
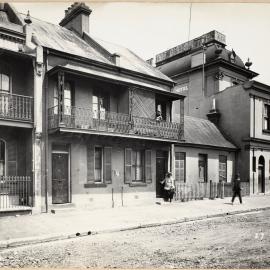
[38, 131]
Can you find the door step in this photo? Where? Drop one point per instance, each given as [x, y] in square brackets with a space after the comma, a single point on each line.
[62, 207]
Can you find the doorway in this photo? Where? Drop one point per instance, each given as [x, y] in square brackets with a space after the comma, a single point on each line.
[60, 178]
[261, 175]
[161, 169]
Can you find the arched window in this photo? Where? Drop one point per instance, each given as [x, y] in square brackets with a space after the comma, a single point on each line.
[4, 82]
[2, 157]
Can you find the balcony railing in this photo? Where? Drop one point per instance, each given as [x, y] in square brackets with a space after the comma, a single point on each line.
[15, 192]
[16, 107]
[84, 118]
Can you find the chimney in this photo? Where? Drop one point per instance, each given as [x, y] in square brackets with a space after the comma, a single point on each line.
[77, 18]
[214, 114]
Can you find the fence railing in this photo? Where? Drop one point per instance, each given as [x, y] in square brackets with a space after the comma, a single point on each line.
[16, 107]
[84, 118]
[15, 192]
[210, 190]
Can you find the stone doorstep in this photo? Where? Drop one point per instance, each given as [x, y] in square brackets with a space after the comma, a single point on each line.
[55, 237]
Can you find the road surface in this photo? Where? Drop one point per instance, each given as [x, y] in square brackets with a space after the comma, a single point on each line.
[241, 241]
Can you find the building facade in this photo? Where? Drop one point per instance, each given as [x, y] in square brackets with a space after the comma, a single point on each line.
[86, 123]
[218, 86]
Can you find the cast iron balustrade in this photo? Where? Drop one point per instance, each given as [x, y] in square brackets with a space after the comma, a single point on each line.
[84, 118]
[16, 107]
[15, 192]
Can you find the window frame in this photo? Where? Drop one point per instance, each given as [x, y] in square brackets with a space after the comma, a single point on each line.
[5, 155]
[266, 116]
[101, 95]
[7, 73]
[205, 179]
[101, 181]
[226, 169]
[184, 155]
[134, 167]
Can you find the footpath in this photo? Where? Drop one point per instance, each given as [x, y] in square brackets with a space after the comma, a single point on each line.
[29, 229]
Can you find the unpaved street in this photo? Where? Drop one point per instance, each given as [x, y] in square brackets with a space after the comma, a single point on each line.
[241, 241]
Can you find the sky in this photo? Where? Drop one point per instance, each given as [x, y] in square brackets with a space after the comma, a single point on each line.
[150, 28]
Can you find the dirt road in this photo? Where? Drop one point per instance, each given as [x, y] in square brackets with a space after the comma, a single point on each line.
[241, 241]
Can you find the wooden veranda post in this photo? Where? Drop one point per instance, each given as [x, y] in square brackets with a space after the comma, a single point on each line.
[61, 85]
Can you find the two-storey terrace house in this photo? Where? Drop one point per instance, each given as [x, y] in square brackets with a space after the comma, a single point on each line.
[218, 86]
[20, 99]
[103, 143]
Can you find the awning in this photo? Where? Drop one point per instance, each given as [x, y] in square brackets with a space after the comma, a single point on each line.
[119, 78]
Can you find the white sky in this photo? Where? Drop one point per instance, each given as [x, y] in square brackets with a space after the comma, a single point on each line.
[150, 28]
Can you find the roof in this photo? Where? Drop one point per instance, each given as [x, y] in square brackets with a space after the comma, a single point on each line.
[203, 132]
[61, 39]
[176, 66]
[130, 60]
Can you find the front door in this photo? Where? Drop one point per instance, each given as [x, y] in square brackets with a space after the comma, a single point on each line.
[261, 175]
[161, 169]
[261, 179]
[60, 181]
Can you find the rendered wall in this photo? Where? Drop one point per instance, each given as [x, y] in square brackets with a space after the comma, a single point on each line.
[192, 169]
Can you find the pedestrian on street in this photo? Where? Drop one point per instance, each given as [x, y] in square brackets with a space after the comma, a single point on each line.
[169, 187]
[237, 189]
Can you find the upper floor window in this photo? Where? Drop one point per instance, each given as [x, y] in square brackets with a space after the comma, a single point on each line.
[4, 82]
[100, 104]
[68, 100]
[266, 117]
[2, 157]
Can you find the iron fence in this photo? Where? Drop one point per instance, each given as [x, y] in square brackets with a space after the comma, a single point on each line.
[15, 192]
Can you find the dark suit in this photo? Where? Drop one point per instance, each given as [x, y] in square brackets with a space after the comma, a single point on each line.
[237, 190]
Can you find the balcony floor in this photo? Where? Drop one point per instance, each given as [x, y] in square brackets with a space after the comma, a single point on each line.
[112, 134]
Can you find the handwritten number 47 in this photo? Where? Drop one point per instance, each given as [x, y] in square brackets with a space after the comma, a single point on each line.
[259, 236]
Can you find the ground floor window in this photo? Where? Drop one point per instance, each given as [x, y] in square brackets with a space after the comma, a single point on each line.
[180, 166]
[137, 170]
[2, 157]
[98, 164]
[222, 169]
[202, 167]
[137, 165]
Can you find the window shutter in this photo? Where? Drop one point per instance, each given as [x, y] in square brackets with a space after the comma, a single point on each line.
[148, 171]
[90, 163]
[107, 165]
[12, 158]
[128, 165]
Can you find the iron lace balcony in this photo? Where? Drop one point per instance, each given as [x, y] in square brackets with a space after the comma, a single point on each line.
[16, 107]
[111, 122]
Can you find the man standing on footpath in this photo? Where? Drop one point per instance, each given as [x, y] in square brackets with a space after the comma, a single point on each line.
[237, 189]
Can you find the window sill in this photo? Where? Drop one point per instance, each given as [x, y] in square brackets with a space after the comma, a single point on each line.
[95, 185]
[266, 131]
[134, 184]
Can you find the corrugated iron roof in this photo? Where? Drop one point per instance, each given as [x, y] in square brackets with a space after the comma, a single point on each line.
[61, 39]
[203, 132]
[130, 60]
